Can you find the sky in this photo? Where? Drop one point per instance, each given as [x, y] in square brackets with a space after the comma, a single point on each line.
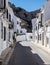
[29, 5]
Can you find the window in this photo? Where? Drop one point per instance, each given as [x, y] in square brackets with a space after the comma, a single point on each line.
[1, 4]
[17, 22]
[12, 23]
[1, 30]
[4, 33]
[9, 17]
[36, 27]
[31, 37]
[41, 19]
[47, 40]
[7, 14]
[4, 3]
[17, 30]
[1, 1]
[20, 31]
[40, 36]
[9, 36]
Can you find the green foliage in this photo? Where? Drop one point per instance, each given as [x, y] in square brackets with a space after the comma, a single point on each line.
[17, 33]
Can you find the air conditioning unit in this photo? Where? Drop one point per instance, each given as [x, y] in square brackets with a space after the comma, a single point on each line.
[2, 4]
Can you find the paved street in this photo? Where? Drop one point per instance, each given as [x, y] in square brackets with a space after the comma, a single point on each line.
[26, 53]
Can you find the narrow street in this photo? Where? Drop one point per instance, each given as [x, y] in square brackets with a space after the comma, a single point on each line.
[26, 53]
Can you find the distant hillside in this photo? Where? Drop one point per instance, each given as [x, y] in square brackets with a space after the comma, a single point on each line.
[23, 14]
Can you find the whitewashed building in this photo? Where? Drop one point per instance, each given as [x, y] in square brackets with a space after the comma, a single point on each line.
[11, 23]
[46, 23]
[3, 25]
[6, 25]
[42, 27]
[34, 28]
[17, 25]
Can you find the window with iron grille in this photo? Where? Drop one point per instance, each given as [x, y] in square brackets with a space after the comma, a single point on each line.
[20, 31]
[1, 1]
[7, 13]
[17, 22]
[36, 27]
[17, 31]
[31, 37]
[4, 3]
[40, 36]
[1, 30]
[1, 4]
[41, 19]
[4, 33]
[9, 36]
[9, 18]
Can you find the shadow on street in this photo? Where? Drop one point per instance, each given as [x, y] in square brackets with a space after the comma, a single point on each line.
[22, 55]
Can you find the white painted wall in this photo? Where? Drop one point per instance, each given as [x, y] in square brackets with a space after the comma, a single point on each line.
[46, 18]
[5, 43]
[21, 38]
[46, 11]
[2, 3]
[11, 35]
[23, 30]
[7, 3]
[1, 40]
[28, 36]
[10, 10]
[33, 27]
[16, 26]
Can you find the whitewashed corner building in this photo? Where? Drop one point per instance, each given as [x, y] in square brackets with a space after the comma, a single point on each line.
[6, 25]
